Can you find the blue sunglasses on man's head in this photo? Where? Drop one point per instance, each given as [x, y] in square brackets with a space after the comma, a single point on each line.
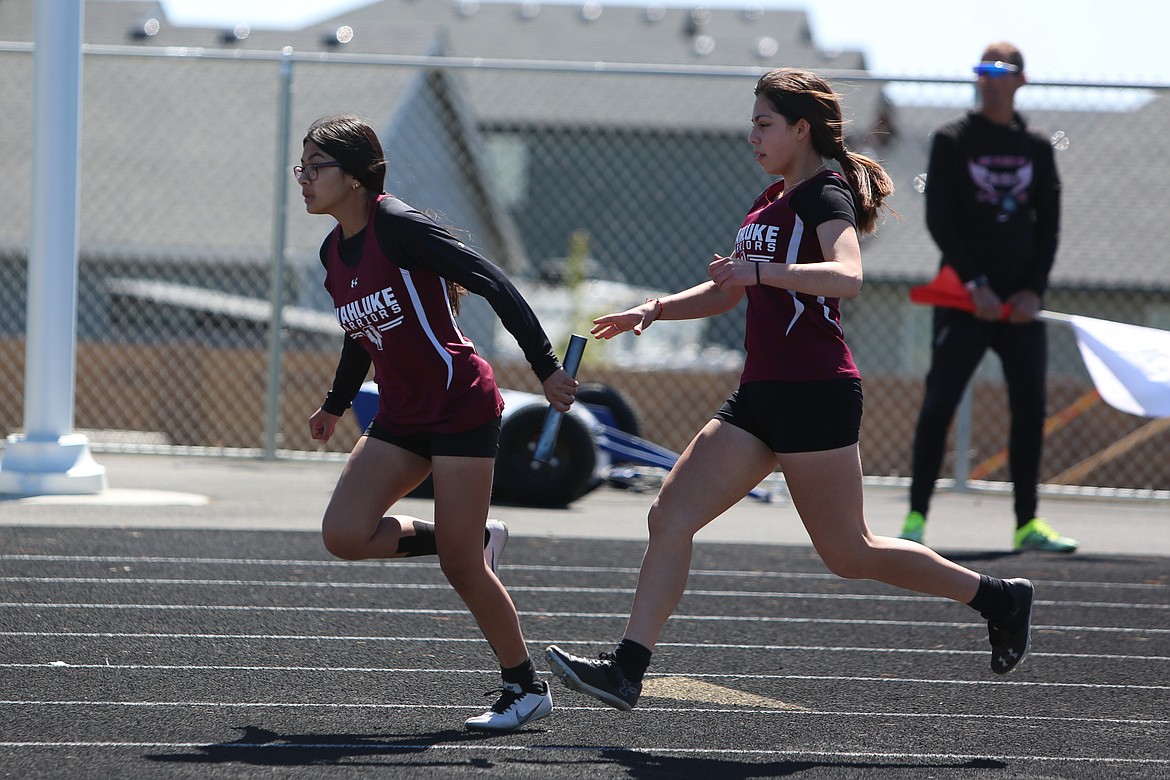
[996, 69]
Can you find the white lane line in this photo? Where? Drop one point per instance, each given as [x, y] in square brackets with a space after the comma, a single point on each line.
[561, 642]
[677, 710]
[401, 564]
[63, 665]
[48, 605]
[482, 747]
[178, 582]
[543, 642]
[331, 585]
[581, 615]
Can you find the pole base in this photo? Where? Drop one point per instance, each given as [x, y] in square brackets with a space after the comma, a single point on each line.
[61, 466]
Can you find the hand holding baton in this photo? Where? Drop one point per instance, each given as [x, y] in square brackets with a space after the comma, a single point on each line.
[552, 420]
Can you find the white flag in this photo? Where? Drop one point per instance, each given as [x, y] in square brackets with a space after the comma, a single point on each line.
[1129, 364]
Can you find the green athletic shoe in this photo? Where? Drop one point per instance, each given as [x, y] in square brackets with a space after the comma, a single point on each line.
[1039, 535]
[914, 527]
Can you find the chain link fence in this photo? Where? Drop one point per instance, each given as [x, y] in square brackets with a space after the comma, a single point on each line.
[594, 189]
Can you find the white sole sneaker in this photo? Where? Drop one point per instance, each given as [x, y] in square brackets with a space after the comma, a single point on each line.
[497, 540]
[513, 709]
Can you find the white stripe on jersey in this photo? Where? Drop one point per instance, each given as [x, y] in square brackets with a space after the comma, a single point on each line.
[789, 259]
[444, 355]
[829, 315]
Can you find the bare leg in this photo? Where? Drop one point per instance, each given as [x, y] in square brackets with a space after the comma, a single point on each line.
[376, 475]
[826, 490]
[462, 496]
[717, 469]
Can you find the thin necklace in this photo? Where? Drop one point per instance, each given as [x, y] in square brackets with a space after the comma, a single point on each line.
[790, 187]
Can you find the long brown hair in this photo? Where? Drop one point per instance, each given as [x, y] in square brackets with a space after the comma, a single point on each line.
[801, 94]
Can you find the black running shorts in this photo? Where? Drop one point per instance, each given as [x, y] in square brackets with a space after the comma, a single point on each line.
[481, 442]
[798, 416]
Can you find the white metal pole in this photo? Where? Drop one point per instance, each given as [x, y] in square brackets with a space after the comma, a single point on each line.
[49, 457]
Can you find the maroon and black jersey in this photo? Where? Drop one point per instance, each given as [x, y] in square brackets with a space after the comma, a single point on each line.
[389, 290]
[793, 336]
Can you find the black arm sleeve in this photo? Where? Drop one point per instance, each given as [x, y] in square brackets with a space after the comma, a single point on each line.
[413, 240]
[351, 372]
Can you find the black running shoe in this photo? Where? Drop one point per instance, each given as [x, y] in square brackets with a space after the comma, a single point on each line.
[602, 679]
[1011, 635]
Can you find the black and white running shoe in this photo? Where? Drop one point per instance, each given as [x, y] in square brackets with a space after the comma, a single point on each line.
[602, 679]
[497, 539]
[1011, 635]
[515, 707]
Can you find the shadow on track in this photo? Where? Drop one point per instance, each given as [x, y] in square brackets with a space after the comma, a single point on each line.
[647, 766]
[261, 747]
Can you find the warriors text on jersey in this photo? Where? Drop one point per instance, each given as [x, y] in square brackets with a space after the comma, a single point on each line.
[793, 336]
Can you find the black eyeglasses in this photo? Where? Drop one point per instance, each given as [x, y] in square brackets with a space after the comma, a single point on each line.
[309, 172]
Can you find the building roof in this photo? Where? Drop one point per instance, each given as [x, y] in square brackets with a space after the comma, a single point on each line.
[155, 188]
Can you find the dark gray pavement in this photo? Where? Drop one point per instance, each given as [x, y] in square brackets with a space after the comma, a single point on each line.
[245, 494]
[189, 624]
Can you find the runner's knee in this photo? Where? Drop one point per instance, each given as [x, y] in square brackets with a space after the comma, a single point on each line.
[343, 546]
[851, 561]
[665, 526]
[462, 573]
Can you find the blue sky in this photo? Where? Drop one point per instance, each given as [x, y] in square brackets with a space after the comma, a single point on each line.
[1062, 40]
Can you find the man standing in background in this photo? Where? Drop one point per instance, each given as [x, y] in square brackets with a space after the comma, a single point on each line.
[993, 209]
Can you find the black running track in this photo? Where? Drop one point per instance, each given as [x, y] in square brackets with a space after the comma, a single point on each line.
[194, 654]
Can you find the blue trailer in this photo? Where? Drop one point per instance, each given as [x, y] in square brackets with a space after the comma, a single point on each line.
[597, 443]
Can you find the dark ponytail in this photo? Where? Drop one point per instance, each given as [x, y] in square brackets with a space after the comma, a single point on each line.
[800, 94]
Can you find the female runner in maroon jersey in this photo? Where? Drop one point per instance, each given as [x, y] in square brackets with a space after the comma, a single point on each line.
[799, 401]
[395, 277]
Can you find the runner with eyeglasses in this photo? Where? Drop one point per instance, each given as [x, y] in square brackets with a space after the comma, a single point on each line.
[396, 277]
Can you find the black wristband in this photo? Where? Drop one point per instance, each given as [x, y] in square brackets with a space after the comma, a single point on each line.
[758, 282]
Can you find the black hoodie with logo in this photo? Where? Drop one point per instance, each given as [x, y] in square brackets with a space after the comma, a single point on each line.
[993, 202]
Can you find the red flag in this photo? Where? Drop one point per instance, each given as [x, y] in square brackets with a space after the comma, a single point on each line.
[1129, 364]
[947, 290]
